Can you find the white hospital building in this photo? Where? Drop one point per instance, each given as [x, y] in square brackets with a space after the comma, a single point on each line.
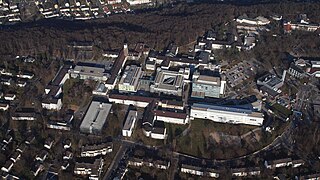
[226, 114]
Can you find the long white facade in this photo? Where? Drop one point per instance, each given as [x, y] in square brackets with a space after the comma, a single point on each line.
[224, 114]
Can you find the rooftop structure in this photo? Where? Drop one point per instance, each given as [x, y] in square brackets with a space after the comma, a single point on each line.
[226, 114]
[100, 90]
[116, 69]
[95, 117]
[259, 21]
[139, 101]
[169, 82]
[199, 171]
[207, 86]
[137, 2]
[271, 81]
[24, 115]
[86, 70]
[52, 98]
[130, 79]
[129, 124]
[92, 169]
[96, 149]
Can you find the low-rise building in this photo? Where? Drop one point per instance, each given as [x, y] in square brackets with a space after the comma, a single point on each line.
[4, 106]
[48, 143]
[52, 98]
[138, 101]
[93, 71]
[92, 169]
[100, 90]
[37, 168]
[42, 156]
[67, 155]
[199, 171]
[175, 117]
[272, 164]
[96, 149]
[129, 124]
[67, 144]
[138, 2]
[258, 21]
[156, 163]
[10, 97]
[24, 115]
[227, 114]
[15, 156]
[61, 123]
[271, 81]
[244, 172]
[7, 166]
[95, 117]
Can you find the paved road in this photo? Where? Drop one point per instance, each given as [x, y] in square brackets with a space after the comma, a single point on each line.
[115, 161]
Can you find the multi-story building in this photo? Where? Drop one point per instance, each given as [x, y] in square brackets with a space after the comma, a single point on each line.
[85, 70]
[129, 124]
[130, 79]
[170, 82]
[96, 149]
[52, 98]
[199, 171]
[207, 86]
[92, 169]
[95, 117]
[226, 114]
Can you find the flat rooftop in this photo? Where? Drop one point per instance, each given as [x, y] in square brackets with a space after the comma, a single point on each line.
[130, 120]
[232, 109]
[95, 117]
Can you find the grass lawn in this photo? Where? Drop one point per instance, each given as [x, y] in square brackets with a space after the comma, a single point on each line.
[197, 141]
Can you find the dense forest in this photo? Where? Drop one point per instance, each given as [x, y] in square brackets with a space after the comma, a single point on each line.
[181, 23]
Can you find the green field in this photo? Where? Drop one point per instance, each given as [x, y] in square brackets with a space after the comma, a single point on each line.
[197, 141]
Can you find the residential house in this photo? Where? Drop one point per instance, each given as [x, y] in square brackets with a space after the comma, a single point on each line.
[10, 97]
[37, 168]
[4, 106]
[42, 155]
[278, 163]
[67, 155]
[49, 143]
[24, 115]
[199, 171]
[7, 166]
[15, 156]
[67, 144]
[248, 171]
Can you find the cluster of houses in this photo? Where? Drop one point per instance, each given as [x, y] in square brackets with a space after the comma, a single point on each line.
[207, 169]
[74, 9]
[9, 11]
[305, 67]
[302, 23]
[92, 161]
[12, 80]
[15, 155]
